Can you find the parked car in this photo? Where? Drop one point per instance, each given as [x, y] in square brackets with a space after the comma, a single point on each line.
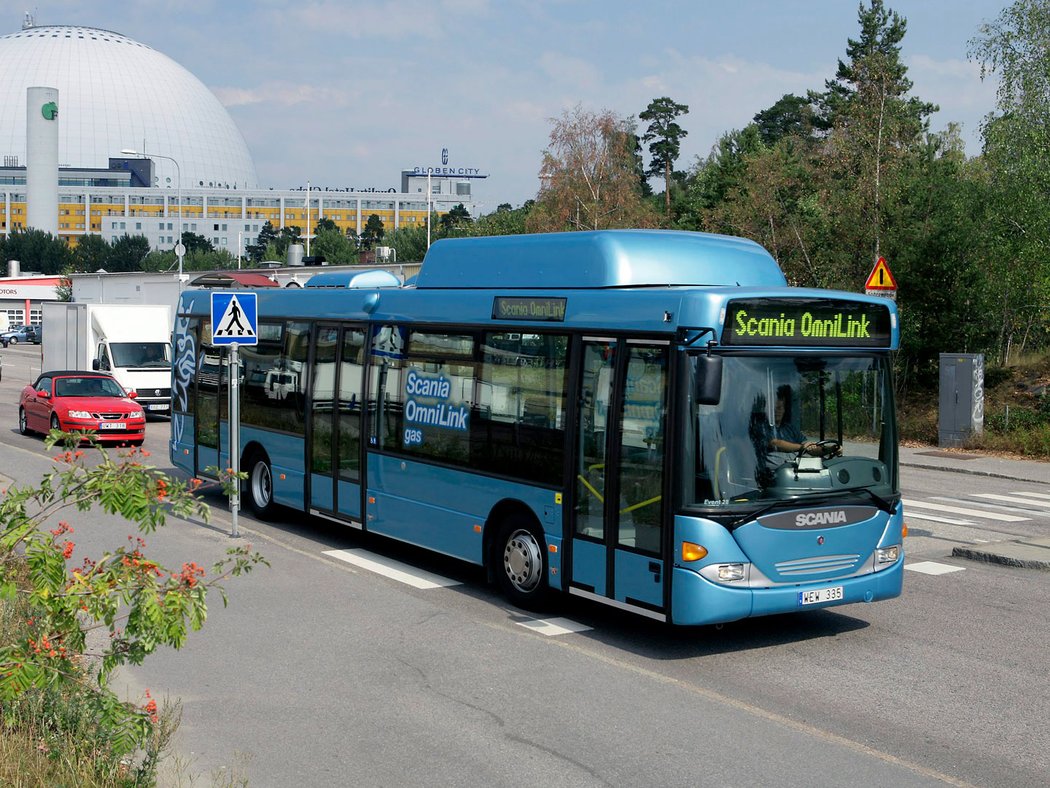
[36, 334]
[74, 401]
[16, 335]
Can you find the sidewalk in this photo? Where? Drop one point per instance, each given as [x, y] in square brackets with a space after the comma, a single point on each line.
[1030, 553]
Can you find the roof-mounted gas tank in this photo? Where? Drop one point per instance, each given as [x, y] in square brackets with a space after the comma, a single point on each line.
[605, 258]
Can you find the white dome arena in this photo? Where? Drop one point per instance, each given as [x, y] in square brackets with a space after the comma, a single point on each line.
[115, 93]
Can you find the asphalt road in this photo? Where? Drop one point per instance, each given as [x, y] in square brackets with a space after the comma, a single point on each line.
[321, 672]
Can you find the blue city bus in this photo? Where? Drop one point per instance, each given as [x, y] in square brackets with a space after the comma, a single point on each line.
[653, 420]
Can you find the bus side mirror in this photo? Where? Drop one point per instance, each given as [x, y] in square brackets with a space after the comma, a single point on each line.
[708, 380]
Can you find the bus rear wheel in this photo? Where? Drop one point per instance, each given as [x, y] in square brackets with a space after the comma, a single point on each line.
[260, 486]
[521, 563]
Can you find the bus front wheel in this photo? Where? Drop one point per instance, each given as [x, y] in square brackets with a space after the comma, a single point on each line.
[521, 563]
[260, 486]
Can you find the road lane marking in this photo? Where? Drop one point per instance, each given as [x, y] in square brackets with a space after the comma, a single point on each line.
[395, 570]
[1027, 494]
[909, 515]
[551, 627]
[933, 568]
[940, 507]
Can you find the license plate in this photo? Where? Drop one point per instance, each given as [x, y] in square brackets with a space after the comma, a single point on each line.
[157, 406]
[113, 425]
[816, 596]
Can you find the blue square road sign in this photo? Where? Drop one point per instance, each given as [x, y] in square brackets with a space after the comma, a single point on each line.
[234, 319]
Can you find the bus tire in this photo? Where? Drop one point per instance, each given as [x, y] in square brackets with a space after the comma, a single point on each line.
[259, 486]
[520, 558]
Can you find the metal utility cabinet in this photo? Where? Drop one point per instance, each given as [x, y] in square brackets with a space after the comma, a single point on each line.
[961, 413]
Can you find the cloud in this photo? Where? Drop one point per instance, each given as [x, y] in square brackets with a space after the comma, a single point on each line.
[283, 94]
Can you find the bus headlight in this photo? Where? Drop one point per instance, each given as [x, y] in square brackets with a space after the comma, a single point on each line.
[887, 555]
[728, 573]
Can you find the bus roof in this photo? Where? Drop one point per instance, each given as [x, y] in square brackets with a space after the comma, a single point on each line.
[604, 258]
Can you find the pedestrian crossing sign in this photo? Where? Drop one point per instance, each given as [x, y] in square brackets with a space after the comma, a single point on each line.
[234, 319]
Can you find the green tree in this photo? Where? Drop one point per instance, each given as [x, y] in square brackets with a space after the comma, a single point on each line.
[408, 243]
[127, 253]
[267, 235]
[876, 135]
[373, 232]
[588, 177]
[90, 254]
[324, 223]
[194, 242]
[36, 250]
[1015, 47]
[455, 222]
[664, 136]
[332, 244]
[790, 116]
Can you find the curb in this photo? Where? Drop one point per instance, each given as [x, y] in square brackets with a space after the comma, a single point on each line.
[971, 471]
[1016, 554]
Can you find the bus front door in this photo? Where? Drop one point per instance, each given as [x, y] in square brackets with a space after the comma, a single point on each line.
[618, 552]
[335, 422]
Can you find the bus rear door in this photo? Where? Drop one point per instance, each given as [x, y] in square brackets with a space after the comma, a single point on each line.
[618, 545]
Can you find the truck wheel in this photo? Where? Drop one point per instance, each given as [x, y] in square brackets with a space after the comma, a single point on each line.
[521, 562]
[260, 486]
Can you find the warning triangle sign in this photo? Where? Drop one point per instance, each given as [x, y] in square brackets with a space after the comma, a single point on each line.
[880, 277]
[234, 323]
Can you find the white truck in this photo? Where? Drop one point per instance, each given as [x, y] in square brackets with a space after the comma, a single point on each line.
[130, 341]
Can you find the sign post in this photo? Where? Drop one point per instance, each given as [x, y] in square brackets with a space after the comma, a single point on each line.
[880, 281]
[234, 322]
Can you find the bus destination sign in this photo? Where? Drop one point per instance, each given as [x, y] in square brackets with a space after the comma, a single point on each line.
[806, 322]
[528, 308]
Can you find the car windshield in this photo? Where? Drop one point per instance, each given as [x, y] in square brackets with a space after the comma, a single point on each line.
[141, 354]
[87, 387]
[791, 427]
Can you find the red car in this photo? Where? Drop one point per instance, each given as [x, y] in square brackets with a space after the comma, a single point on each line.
[71, 401]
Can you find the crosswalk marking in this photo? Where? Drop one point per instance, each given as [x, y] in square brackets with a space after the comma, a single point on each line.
[395, 570]
[552, 627]
[940, 507]
[933, 568]
[1011, 499]
[912, 515]
[1044, 496]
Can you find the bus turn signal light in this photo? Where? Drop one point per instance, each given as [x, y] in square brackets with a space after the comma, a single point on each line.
[692, 551]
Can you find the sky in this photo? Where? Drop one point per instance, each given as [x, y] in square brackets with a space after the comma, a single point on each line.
[343, 93]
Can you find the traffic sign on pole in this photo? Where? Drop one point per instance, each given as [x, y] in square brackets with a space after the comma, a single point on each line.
[234, 322]
[880, 280]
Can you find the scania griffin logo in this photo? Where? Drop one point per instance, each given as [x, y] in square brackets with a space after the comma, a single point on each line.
[809, 519]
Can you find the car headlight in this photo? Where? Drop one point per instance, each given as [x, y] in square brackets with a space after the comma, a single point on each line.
[79, 414]
[135, 414]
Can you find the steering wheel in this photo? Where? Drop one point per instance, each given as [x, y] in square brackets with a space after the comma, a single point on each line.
[828, 448]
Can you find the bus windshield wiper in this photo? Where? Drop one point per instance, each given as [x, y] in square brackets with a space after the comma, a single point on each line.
[878, 500]
[814, 497]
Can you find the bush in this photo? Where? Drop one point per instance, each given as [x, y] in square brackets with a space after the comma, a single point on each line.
[52, 699]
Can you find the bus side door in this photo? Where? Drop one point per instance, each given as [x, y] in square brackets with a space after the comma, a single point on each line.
[335, 421]
[618, 544]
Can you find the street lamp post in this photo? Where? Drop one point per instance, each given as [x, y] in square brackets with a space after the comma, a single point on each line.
[180, 248]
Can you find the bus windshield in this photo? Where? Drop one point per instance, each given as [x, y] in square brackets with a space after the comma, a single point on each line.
[788, 428]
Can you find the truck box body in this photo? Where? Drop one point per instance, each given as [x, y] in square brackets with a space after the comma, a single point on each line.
[130, 341]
